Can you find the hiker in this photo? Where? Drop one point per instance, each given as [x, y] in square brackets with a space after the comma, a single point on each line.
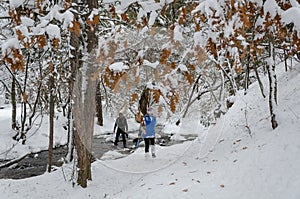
[121, 122]
[148, 132]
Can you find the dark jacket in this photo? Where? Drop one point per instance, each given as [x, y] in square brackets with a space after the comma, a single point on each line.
[121, 122]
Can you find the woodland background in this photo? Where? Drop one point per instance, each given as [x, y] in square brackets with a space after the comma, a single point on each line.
[83, 58]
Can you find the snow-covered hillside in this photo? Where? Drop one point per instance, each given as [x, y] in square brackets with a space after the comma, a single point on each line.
[240, 157]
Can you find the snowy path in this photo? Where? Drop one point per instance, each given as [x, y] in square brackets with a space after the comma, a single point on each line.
[137, 163]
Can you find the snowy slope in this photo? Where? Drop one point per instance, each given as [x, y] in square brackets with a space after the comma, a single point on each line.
[224, 162]
[263, 165]
[37, 137]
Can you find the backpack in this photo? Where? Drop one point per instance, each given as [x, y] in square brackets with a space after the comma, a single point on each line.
[138, 117]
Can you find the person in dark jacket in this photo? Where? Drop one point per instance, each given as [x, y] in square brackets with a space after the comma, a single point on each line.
[122, 130]
[148, 132]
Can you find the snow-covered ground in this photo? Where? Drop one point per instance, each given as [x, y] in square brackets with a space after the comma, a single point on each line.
[240, 157]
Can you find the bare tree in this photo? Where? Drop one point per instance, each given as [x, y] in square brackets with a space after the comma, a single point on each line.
[51, 119]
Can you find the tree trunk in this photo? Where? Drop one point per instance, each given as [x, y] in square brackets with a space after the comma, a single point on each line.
[84, 111]
[84, 160]
[24, 106]
[191, 96]
[70, 141]
[247, 77]
[259, 81]
[272, 93]
[74, 64]
[37, 99]
[99, 106]
[84, 97]
[51, 122]
[144, 101]
[13, 104]
[272, 82]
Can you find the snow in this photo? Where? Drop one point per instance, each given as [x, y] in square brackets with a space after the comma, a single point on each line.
[37, 137]
[15, 3]
[178, 33]
[118, 66]
[109, 1]
[66, 17]
[292, 15]
[124, 4]
[53, 31]
[208, 6]
[182, 67]
[8, 45]
[271, 7]
[152, 19]
[294, 3]
[225, 161]
[150, 5]
[239, 157]
[152, 65]
[27, 21]
[199, 39]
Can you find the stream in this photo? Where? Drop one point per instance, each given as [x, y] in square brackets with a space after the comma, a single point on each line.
[35, 164]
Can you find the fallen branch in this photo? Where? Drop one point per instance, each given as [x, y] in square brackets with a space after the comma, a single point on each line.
[11, 162]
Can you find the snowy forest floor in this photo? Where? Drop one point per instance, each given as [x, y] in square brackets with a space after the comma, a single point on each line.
[35, 164]
[241, 156]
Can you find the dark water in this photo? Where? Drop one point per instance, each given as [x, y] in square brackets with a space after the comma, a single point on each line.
[36, 164]
[33, 164]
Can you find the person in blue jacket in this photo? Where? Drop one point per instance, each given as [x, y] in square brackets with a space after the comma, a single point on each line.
[148, 132]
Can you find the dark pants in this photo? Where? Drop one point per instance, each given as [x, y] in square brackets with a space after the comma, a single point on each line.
[147, 141]
[120, 132]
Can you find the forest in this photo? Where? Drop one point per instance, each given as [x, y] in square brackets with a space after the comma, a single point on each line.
[86, 58]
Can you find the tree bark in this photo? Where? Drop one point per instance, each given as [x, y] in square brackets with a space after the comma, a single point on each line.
[99, 106]
[272, 87]
[37, 99]
[272, 82]
[272, 90]
[191, 96]
[24, 105]
[144, 101]
[13, 104]
[259, 81]
[74, 67]
[51, 122]
[84, 98]
[84, 112]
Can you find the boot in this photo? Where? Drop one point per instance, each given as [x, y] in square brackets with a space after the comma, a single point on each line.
[153, 151]
[147, 155]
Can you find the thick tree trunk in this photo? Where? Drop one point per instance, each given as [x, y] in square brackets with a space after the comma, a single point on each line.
[84, 160]
[84, 97]
[84, 112]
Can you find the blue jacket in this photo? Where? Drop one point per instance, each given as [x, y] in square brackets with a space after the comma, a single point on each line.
[150, 122]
